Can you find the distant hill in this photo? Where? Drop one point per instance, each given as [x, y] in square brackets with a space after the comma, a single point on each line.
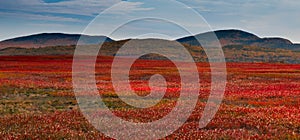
[238, 46]
[226, 37]
[233, 53]
[238, 37]
[52, 39]
[297, 47]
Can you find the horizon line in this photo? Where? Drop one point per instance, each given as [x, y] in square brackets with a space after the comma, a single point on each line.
[173, 39]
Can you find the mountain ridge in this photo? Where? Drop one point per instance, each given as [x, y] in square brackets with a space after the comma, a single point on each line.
[52, 39]
[239, 37]
[226, 38]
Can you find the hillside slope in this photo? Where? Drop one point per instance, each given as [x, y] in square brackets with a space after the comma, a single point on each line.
[52, 39]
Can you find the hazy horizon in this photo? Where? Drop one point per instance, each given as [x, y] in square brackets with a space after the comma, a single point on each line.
[119, 39]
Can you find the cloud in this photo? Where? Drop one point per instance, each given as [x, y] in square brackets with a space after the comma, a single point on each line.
[263, 17]
[47, 25]
[126, 7]
[75, 7]
[65, 10]
[54, 1]
[39, 17]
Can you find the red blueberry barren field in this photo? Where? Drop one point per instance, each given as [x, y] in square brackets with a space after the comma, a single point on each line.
[37, 101]
[149, 69]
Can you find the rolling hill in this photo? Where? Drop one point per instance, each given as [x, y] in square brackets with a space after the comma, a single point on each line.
[52, 39]
[238, 46]
[238, 37]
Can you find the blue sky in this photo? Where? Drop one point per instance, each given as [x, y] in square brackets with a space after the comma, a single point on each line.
[266, 18]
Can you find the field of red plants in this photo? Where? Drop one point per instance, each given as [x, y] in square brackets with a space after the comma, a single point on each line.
[262, 100]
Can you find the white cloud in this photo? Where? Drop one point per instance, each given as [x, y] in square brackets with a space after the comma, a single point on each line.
[75, 7]
[39, 17]
[39, 10]
[263, 17]
[127, 7]
[47, 25]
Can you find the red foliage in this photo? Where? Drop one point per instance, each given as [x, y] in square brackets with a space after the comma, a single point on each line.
[262, 101]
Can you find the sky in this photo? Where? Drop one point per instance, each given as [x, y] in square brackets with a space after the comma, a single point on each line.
[118, 18]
